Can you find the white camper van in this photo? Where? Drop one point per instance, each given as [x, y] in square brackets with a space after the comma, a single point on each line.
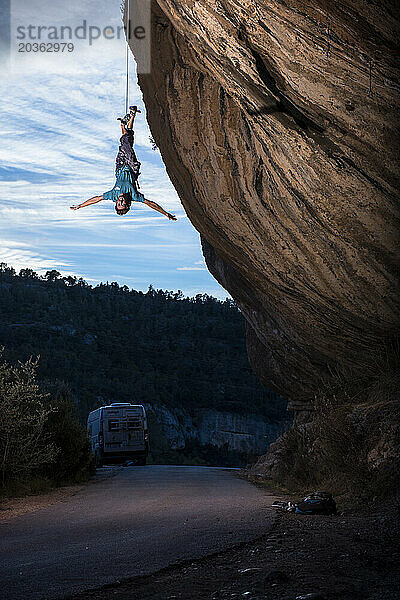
[118, 432]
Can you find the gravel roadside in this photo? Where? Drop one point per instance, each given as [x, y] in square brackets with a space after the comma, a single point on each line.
[15, 507]
[353, 556]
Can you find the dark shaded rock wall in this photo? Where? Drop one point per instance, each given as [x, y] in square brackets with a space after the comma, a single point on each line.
[248, 434]
[277, 124]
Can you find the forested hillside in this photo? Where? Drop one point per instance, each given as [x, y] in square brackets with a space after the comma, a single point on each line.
[112, 344]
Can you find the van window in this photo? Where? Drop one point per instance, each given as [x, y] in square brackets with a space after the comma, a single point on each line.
[113, 425]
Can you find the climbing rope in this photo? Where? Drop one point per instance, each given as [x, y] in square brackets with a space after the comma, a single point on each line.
[370, 61]
[128, 37]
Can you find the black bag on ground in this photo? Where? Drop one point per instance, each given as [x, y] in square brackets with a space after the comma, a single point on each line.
[317, 503]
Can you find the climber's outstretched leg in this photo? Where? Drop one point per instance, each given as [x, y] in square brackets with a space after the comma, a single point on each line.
[127, 121]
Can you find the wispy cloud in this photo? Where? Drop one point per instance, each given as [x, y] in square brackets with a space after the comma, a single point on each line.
[191, 269]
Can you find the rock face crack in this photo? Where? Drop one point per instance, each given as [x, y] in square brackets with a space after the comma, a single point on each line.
[283, 105]
[289, 171]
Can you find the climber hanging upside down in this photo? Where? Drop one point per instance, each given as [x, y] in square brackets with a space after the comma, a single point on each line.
[127, 169]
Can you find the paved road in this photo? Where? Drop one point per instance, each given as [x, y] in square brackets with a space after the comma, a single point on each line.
[137, 522]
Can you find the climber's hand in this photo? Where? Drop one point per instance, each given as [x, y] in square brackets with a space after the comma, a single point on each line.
[171, 217]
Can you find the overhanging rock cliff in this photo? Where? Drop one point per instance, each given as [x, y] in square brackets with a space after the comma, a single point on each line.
[277, 125]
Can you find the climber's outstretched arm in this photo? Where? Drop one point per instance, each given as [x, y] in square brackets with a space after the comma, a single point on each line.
[94, 200]
[159, 209]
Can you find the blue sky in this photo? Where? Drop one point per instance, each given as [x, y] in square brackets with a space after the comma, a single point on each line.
[58, 140]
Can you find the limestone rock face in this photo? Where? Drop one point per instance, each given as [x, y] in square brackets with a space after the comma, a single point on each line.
[277, 125]
[246, 434]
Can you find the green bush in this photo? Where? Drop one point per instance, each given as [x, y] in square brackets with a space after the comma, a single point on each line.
[25, 447]
[74, 461]
[42, 442]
